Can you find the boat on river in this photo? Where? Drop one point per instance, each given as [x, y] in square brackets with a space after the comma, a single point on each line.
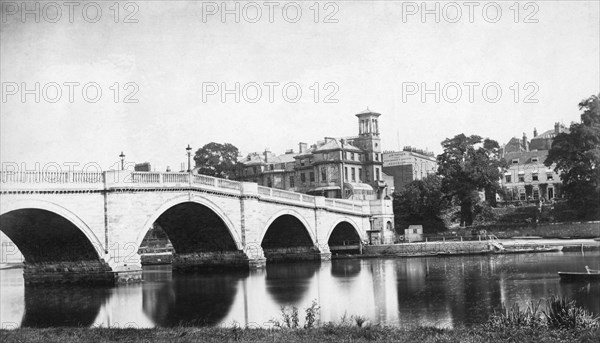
[590, 274]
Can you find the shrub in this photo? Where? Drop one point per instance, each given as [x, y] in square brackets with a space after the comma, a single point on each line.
[516, 317]
[564, 314]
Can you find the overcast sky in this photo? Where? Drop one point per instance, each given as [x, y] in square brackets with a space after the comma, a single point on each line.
[369, 53]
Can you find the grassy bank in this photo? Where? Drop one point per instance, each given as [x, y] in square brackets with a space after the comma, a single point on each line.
[321, 334]
[560, 321]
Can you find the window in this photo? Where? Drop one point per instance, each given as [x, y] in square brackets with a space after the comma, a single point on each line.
[352, 156]
[292, 185]
[534, 177]
[549, 177]
[534, 160]
[323, 174]
[271, 167]
[521, 194]
[301, 163]
[367, 175]
[550, 193]
[507, 178]
[353, 174]
[346, 173]
[515, 161]
[376, 157]
[376, 174]
[536, 194]
[269, 183]
[303, 177]
[254, 170]
[360, 174]
[312, 176]
[521, 178]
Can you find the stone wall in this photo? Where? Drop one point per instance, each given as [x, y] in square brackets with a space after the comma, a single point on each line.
[426, 248]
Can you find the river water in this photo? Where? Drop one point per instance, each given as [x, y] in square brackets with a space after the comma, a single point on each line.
[438, 291]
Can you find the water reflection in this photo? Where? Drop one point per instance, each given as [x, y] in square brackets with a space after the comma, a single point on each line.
[49, 306]
[191, 299]
[444, 292]
[288, 283]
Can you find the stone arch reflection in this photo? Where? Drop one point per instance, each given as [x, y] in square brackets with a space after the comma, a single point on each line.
[191, 299]
[52, 306]
[288, 283]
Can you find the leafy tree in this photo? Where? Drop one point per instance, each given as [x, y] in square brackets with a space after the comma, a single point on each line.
[469, 165]
[215, 159]
[421, 202]
[577, 158]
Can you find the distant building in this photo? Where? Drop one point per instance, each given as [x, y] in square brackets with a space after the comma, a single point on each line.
[142, 167]
[408, 165]
[348, 167]
[527, 178]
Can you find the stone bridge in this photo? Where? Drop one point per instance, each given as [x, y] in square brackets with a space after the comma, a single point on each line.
[82, 226]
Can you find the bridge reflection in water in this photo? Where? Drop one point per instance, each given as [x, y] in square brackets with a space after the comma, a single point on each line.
[444, 292]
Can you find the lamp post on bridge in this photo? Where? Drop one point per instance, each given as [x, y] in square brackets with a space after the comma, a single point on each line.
[189, 154]
[122, 156]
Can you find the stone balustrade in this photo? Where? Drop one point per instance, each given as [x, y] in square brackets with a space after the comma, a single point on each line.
[12, 181]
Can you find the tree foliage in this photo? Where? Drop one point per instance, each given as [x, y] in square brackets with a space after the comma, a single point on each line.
[421, 202]
[468, 165]
[219, 160]
[577, 158]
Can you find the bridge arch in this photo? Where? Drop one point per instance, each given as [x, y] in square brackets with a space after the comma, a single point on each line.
[195, 199]
[291, 213]
[60, 211]
[348, 221]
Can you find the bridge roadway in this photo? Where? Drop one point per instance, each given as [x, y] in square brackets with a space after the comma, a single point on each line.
[88, 227]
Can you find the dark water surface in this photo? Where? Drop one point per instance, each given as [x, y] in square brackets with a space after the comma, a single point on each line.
[440, 291]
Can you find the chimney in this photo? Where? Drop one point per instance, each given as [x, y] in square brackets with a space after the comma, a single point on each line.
[534, 132]
[302, 147]
[556, 128]
[524, 141]
[342, 142]
[266, 154]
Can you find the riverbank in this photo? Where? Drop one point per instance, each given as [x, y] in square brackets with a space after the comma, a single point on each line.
[326, 333]
[457, 247]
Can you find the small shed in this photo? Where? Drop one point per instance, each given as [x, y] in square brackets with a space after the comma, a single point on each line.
[414, 233]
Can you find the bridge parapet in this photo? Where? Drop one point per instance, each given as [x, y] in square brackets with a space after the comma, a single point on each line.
[126, 179]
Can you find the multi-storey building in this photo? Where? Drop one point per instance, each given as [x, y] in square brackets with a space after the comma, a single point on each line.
[408, 165]
[527, 178]
[348, 167]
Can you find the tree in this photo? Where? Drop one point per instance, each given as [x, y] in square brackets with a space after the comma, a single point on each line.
[577, 158]
[469, 165]
[421, 202]
[219, 160]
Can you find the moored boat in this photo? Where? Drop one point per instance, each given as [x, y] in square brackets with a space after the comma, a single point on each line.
[591, 274]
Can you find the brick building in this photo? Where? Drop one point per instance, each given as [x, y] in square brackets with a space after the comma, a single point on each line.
[527, 178]
[408, 165]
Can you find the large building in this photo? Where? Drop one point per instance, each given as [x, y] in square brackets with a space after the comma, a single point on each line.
[349, 167]
[527, 178]
[408, 165]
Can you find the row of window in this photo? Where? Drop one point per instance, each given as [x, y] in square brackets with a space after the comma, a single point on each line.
[534, 177]
[533, 160]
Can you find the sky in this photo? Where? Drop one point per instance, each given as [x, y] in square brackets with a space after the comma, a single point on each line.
[167, 72]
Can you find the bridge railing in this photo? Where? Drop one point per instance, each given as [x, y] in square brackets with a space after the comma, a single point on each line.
[42, 180]
[122, 178]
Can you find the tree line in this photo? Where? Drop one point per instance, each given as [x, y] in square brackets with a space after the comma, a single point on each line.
[471, 165]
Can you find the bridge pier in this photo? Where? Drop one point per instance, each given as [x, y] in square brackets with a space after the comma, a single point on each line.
[78, 272]
[217, 260]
